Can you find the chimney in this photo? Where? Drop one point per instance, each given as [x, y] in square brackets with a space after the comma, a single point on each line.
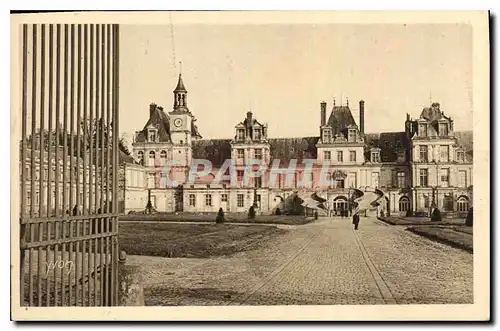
[249, 119]
[152, 108]
[323, 113]
[362, 117]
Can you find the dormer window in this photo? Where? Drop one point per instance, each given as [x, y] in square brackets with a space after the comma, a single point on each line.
[152, 135]
[443, 129]
[375, 156]
[422, 130]
[352, 135]
[460, 156]
[240, 134]
[257, 134]
[327, 136]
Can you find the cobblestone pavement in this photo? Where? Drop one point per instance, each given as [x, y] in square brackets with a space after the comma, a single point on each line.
[325, 262]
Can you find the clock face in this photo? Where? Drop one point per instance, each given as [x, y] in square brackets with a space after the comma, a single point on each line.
[178, 122]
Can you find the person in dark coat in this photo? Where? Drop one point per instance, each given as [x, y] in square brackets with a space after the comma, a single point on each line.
[220, 216]
[355, 221]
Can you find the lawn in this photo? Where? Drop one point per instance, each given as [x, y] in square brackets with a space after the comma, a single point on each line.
[210, 218]
[460, 237]
[192, 240]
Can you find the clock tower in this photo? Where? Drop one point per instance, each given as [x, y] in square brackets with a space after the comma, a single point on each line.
[181, 126]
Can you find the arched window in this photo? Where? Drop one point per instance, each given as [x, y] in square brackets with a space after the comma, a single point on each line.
[163, 154]
[151, 161]
[404, 204]
[140, 156]
[463, 203]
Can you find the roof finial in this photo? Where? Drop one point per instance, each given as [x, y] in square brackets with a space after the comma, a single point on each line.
[334, 101]
[347, 98]
[180, 67]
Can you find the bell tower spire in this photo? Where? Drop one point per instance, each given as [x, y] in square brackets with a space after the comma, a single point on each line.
[180, 94]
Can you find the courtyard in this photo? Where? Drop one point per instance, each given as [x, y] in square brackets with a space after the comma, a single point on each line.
[322, 262]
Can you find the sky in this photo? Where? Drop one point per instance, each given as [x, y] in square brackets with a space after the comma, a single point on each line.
[282, 72]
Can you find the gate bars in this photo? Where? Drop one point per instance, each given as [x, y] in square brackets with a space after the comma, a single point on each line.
[69, 165]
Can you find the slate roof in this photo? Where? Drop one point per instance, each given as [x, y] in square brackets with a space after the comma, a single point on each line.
[390, 143]
[159, 119]
[180, 85]
[284, 149]
[214, 150]
[287, 149]
[340, 118]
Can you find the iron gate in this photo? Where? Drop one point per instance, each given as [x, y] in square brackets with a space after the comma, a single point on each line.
[69, 165]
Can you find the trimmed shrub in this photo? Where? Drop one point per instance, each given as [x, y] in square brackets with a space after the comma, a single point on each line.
[436, 215]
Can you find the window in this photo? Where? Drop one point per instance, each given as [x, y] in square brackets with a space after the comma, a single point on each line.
[239, 174]
[151, 159]
[208, 200]
[351, 179]
[28, 198]
[404, 204]
[192, 200]
[257, 134]
[375, 179]
[448, 202]
[444, 152]
[424, 178]
[445, 177]
[327, 136]
[462, 178]
[460, 156]
[338, 183]
[328, 155]
[443, 129]
[151, 180]
[152, 135]
[240, 134]
[37, 198]
[422, 130]
[340, 156]
[223, 197]
[240, 200]
[258, 200]
[352, 135]
[37, 173]
[401, 179]
[240, 154]
[258, 154]
[375, 156]
[352, 156]
[423, 154]
[163, 154]
[140, 156]
[258, 182]
[426, 201]
[463, 204]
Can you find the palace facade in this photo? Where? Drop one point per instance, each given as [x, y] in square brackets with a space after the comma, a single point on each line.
[425, 165]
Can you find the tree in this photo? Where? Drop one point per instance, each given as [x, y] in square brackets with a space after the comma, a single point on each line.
[123, 146]
[470, 217]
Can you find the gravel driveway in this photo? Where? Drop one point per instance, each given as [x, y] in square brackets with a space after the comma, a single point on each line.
[325, 262]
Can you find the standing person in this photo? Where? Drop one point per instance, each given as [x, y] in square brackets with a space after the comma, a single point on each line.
[355, 220]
